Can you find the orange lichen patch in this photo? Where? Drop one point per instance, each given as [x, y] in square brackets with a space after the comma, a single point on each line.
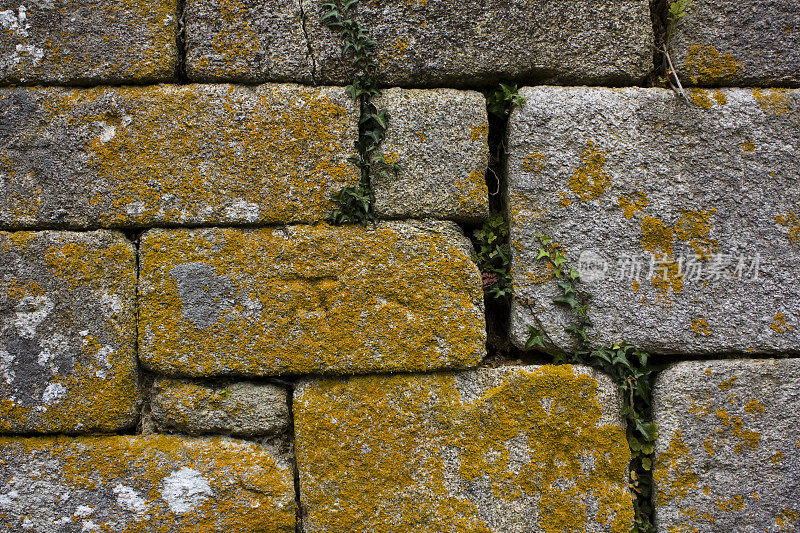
[479, 133]
[779, 324]
[533, 163]
[314, 298]
[706, 66]
[657, 238]
[590, 180]
[773, 101]
[702, 98]
[777, 457]
[564, 201]
[735, 425]
[391, 157]
[728, 383]
[695, 228]
[636, 286]
[754, 407]
[274, 153]
[539, 272]
[727, 505]
[17, 289]
[674, 471]
[787, 520]
[789, 219]
[381, 444]
[720, 97]
[708, 445]
[700, 327]
[247, 489]
[630, 207]
[748, 146]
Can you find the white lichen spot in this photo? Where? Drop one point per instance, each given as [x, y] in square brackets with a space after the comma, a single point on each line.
[16, 23]
[185, 489]
[129, 500]
[53, 393]
[89, 526]
[45, 356]
[111, 305]
[242, 211]
[135, 208]
[107, 132]
[83, 511]
[30, 312]
[6, 360]
[6, 500]
[103, 354]
[28, 50]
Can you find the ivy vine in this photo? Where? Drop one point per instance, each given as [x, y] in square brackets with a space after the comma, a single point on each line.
[629, 368]
[354, 203]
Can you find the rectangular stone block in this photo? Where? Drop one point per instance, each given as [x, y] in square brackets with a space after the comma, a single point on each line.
[249, 41]
[240, 409]
[396, 297]
[728, 449]
[82, 42]
[67, 332]
[192, 154]
[439, 139]
[425, 43]
[682, 220]
[490, 450]
[145, 483]
[750, 42]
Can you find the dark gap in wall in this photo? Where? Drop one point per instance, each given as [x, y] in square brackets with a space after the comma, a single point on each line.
[135, 231]
[300, 509]
[658, 14]
[180, 40]
[310, 53]
[143, 380]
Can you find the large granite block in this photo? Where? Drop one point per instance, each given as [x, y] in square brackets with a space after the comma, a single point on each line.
[682, 220]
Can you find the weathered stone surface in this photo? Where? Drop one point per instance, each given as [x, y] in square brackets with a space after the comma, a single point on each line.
[506, 449]
[67, 332]
[728, 449]
[439, 139]
[143, 484]
[457, 44]
[240, 409]
[173, 154]
[309, 299]
[252, 41]
[623, 179]
[84, 41]
[751, 42]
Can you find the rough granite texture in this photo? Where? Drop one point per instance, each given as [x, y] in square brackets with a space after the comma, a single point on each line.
[478, 43]
[240, 409]
[510, 449]
[728, 452]
[143, 484]
[67, 332]
[623, 179]
[192, 154]
[439, 138]
[750, 42]
[81, 42]
[251, 41]
[301, 299]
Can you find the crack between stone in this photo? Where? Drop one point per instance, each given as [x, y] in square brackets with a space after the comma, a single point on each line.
[180, 41]
[299, 509]
[310, 54]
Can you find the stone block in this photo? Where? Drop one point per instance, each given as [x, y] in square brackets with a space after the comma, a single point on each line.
[67, 332]
[489, 450]
[83, 42]
[728, 449]
[309, 299]
[173, 155]
[439, 139]
[682, 220]
[144, 483]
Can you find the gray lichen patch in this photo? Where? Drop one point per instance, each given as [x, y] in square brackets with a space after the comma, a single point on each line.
[67, 332]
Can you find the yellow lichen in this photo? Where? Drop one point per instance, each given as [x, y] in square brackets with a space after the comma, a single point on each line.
[533, 163]
[479, 133]
[787, 519]
[748, 146]
[700, 326]
[630, 207]
[381, 445]
[695, 228]
[674, 471]
[789, 219]
[773, 101]
[702, 98]
[590, 180]
[779, 324]
[706, 66]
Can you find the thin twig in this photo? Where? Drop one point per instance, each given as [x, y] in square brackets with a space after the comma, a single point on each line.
[675, 75]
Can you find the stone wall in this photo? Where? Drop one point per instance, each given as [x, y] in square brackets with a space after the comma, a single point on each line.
[187, 343]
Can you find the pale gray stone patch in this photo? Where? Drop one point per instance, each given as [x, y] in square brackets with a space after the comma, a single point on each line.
[728, 448]
[67, 332]
[438, 138]
[241, 409]
[466, 44]
[204, 294]
[79, 42]
[248, 42]
[620, 176]
[743, 43]
[146, 483]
